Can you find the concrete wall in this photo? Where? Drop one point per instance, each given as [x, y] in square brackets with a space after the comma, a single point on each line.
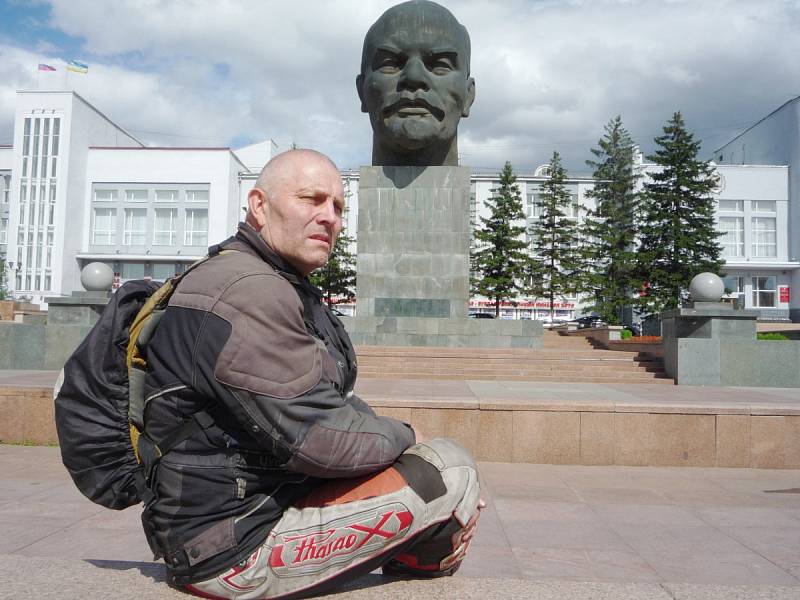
[545, 433]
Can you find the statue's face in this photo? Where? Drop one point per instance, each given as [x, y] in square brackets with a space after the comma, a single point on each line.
[415, 83]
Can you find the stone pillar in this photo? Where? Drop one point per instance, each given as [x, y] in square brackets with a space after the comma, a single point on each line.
[696, 337]
[413, 242]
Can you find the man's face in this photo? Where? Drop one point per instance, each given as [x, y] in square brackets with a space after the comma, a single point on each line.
[415, 85]
[303, 212]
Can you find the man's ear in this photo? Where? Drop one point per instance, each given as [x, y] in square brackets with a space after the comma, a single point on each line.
[470, 97]
[257, 208]
[360, 90]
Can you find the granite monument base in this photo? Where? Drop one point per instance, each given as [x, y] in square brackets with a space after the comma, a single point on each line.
[710, 343]
[450, 333]
[413, 263]
[47, 346]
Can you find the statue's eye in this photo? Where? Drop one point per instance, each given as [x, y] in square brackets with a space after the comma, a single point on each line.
[387, 63]
[441, 64]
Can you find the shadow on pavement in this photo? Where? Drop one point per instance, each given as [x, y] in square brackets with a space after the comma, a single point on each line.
[156, 572]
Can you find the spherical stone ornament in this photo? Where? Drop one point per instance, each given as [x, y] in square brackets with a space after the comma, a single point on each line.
[97, 277]
[706, 287]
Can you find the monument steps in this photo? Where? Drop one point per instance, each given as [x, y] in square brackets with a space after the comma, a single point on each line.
[560, 378]
[545, 364]
[433, 363]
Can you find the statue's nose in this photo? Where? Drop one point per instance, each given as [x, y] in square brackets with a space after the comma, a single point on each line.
[415, 75]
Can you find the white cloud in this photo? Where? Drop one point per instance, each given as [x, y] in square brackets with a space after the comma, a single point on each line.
[549, 74]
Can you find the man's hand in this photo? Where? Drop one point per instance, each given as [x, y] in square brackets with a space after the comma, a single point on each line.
[463, 538]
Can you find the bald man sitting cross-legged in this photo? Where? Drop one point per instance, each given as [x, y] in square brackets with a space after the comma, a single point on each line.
[294, 484]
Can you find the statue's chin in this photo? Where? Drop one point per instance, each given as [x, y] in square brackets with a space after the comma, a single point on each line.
[413, 134]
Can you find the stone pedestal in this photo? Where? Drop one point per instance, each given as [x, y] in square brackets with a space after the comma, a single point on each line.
[36, 345]
[413, 263]
[81, 308]
[711, 343]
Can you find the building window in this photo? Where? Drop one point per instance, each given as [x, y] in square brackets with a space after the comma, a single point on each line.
[132, 270]
[134, 233]
[763, 206]
[104, 227]
[165, 227]
[732, 229]
[731, 205]
[105, 195]
[534, 209]
[166, 195]
[734, 288]
[56, 131]
[764, 292]
[3, 231]
[6, 188]
[197, 195]
[136, 195]
[764, 237]
[574, 210]
[196, 229]
[163, 271]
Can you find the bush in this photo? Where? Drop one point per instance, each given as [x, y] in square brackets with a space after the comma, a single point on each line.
[772, 337]
[626, 334]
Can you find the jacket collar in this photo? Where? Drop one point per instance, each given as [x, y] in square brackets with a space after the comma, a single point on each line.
[253, 240]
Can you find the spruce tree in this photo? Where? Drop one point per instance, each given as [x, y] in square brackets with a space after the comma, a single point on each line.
[500, 259]
[678, 235]
[3, 287]
[554, 238]
[338, 277]
[610, 275]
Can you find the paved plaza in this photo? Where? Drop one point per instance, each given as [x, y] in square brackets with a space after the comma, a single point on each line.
[549, 532]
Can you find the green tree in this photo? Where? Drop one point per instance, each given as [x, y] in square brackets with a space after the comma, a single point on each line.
[338, 277]
[554, 238]
[3, 286]
[610, 276]
[678, 238]
[499, 260]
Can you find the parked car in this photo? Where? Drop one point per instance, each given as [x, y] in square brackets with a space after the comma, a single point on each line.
[589, 322]
[481, 315]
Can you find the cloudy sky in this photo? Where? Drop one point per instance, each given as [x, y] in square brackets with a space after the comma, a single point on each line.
[549, 73]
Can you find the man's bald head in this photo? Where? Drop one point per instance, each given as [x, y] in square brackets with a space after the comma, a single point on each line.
[283, 166]
[296, 206]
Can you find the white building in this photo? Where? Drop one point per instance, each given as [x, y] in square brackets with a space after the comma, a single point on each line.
[82, 189]
[6, 160]
[770, 265]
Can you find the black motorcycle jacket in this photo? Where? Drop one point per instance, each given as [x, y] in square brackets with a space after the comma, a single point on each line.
[248, 341]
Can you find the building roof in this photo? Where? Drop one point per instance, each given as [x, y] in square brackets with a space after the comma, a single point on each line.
[176, 149]
[761, 120]
[88, 104]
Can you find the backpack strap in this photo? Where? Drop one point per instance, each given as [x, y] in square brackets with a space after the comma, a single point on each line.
[141, 332]
[151, 451]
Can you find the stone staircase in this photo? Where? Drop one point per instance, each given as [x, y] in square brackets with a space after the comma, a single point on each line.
[562, 359]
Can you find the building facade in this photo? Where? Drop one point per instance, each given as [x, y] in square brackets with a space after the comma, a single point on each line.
[81, 189]
[76, 188]
[774, 140]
